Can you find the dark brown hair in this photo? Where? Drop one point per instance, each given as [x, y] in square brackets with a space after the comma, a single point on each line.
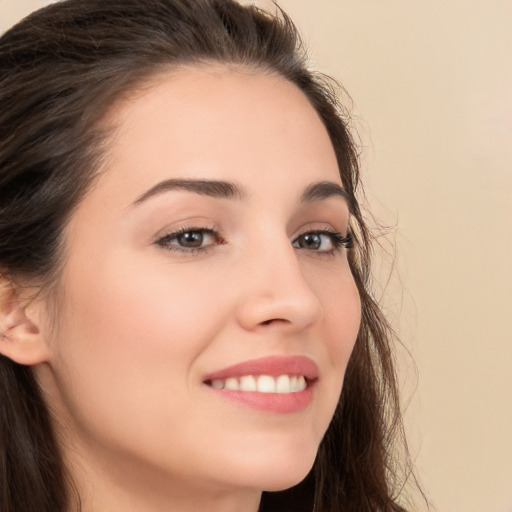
[61, 69]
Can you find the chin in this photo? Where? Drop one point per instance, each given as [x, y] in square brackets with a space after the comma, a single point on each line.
[283, 482]
[282, 473]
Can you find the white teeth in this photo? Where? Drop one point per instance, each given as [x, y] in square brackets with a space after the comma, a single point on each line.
[266, 384]
[263, 384]
[283, 384]
[232, 384]
[248, 383]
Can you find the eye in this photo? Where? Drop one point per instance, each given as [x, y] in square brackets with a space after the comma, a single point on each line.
[190, 239]
[323, 241]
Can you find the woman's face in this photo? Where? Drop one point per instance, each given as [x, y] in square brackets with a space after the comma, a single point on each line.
[209, 253]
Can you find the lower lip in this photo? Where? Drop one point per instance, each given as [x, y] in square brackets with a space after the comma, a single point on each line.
[278, 403]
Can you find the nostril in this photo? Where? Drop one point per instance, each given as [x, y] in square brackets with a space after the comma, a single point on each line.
[266, 309]
[273, 320]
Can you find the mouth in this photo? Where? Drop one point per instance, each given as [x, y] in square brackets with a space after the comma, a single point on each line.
[282, 384]
[276, 384]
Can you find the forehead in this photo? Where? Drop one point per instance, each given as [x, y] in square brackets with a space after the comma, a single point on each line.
[219, 123]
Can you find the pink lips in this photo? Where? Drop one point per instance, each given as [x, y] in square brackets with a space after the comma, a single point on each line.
[273, 366]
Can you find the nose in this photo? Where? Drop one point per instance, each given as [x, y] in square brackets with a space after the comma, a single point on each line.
[274, 292]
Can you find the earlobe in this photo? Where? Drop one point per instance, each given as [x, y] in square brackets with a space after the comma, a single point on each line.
[20, 335]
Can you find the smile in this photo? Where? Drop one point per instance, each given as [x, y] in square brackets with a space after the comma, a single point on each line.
[262, 383]
[274, 384]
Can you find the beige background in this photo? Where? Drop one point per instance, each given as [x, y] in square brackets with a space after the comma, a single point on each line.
[431, 83]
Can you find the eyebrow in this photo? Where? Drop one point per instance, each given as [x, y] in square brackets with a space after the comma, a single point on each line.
[228, 190]
[325, 190]
[218, 189]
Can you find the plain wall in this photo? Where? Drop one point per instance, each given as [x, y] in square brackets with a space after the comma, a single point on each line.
[431, 85]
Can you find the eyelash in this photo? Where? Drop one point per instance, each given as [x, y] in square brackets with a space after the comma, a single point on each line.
[164, 241]
[337, 239]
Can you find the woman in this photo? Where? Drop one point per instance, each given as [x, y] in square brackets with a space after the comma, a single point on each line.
[186, 320]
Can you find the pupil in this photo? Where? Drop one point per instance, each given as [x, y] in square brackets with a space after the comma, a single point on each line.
[311, 241]
[191, 239]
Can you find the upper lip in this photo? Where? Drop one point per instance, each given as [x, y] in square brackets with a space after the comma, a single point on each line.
[272, 365]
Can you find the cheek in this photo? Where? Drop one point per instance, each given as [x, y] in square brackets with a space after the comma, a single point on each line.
[346, 320]
[342, 322]
[129, 340]
[137, 318]
[342, 316]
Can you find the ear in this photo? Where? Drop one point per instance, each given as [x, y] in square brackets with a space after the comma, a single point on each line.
[20, 335]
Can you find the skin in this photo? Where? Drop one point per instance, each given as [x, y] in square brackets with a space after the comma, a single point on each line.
[140, 324]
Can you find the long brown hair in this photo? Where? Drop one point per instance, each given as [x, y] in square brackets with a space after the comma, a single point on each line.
[61, 69]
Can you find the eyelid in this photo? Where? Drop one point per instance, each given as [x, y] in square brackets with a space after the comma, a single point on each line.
[323, 227]
[163, 240]
[338, 240]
